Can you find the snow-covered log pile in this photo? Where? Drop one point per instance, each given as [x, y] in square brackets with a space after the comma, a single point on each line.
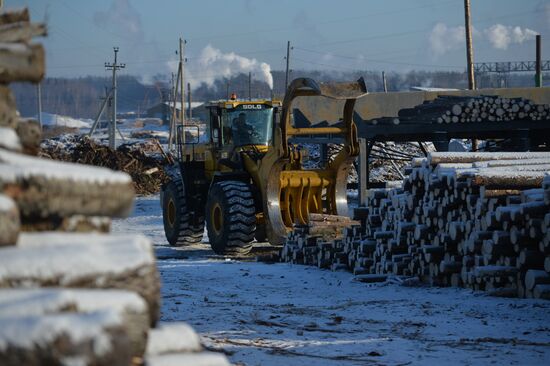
[477, 220]
[64, 259]
[457, 109]
[21, 59]
[96, 325]
[70, 291]
[47, 189]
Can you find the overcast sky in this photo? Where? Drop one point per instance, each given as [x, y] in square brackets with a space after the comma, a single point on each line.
[397, 35]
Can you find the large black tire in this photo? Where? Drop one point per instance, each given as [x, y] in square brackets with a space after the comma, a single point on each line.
[181, 226]
[231, 217]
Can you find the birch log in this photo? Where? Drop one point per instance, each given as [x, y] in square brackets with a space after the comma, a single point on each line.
[8, 114]
[129, 307]
[97, 338]
[105, 261]
[14, 15]
[30, 135]
[45, 188]
[9, 221]
[21, 31]
[21, 62]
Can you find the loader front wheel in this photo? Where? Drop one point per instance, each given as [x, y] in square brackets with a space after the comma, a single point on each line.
[231, 217]
[181, 226]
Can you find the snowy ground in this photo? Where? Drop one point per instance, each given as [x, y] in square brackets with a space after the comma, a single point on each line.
[281, 314]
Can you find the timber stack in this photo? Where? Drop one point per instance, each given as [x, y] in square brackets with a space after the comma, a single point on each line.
[71, 291]
[458, 109]
[301, 246]
[476, 220]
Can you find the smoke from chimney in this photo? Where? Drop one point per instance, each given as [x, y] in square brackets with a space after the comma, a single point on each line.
[502, 36]
[212, 64]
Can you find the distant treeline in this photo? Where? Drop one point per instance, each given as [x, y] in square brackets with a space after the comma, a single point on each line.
[81, 97]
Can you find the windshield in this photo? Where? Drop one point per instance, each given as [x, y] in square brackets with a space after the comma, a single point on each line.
[251, 125]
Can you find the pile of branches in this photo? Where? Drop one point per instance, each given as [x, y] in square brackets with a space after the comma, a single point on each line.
[136, 159]
[387, 159]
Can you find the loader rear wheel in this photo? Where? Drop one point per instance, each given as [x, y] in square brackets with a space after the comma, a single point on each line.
[231, 217]
[181, 226]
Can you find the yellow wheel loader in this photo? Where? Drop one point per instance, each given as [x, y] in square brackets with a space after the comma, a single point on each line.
[247, 180]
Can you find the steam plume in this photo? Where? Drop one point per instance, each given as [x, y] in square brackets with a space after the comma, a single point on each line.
[212, 64]
[502, 36]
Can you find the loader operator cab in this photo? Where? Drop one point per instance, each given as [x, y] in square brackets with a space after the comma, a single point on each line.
[241, 124]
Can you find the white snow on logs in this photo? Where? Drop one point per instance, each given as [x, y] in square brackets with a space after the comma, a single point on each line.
[435, 158]
[116, 261]
[175, 337]
[9, 139]
[43, 187]
[188, 359]
[129, 307]
[95, 338]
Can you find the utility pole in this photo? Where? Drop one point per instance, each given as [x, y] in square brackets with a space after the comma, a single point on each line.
[384, 82]
[287, 64]
[538, 63]
[39, 97]
[170, 108]
[182, 86]
[469, 55]
[469, 48]
[227, 89]
[174, 116]
[189, 101]
[112, 126]
[249, 85]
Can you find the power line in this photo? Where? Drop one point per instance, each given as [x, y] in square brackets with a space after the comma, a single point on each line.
[376, 61]
[158, 61]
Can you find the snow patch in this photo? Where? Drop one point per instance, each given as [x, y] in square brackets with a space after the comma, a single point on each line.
[49, 119]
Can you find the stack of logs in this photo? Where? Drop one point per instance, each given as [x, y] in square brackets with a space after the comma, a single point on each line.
[476, 220]
[457, 109]
[321, 228]
[74, 294]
